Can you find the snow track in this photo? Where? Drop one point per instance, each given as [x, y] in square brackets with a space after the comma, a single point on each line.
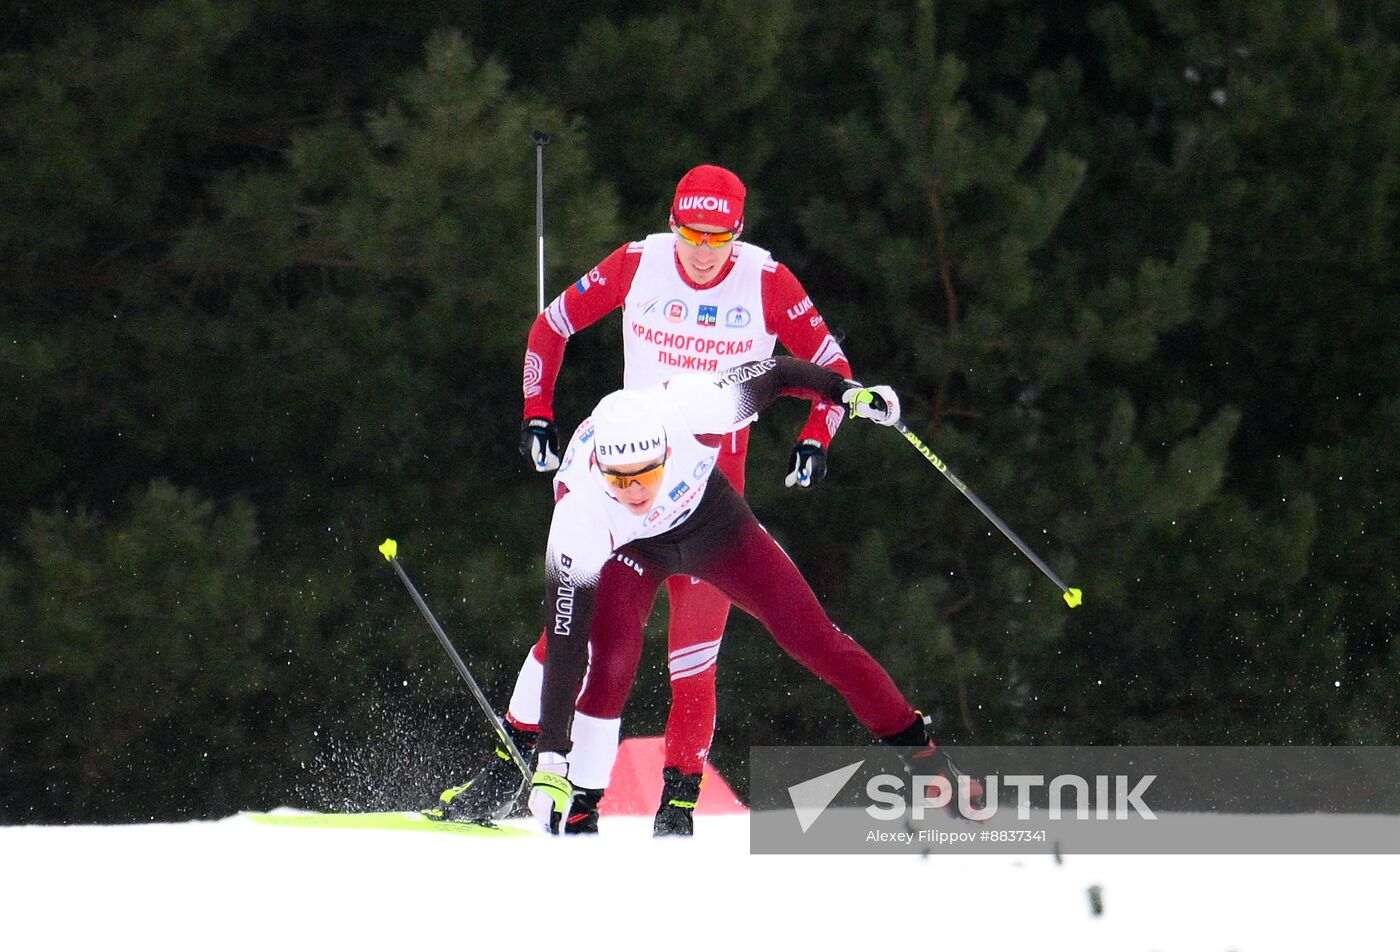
[234, 884]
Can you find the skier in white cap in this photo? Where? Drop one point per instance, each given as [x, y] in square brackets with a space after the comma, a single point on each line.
[638, 501]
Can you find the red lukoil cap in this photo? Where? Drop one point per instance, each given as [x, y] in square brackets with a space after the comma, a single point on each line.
[710, 195]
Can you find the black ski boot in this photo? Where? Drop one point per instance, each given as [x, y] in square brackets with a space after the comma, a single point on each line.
[583, 815]
[494, 790]
[678, 797]
[922, 757]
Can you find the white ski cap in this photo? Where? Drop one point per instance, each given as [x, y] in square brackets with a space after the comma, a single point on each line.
[627, 430]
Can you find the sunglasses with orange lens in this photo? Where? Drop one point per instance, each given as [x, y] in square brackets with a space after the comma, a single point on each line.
[717, 239]
[646, 478]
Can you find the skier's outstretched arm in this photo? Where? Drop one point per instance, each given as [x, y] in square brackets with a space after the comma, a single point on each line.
[720, 403]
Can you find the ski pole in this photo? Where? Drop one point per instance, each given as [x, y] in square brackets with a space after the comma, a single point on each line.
[541, 140]
[1073, 596]
[390, 550]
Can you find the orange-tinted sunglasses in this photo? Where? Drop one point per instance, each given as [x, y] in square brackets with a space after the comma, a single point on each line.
[716, 239]
[646, 478]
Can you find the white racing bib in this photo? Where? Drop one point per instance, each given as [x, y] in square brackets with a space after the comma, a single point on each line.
[669, 327]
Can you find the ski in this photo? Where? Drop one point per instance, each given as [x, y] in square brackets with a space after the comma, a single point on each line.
[414, 820]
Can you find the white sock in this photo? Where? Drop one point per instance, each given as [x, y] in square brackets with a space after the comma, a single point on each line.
[595, 748]
[525, 701]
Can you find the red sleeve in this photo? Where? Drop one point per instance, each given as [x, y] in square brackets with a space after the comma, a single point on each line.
[584, 302]
[791, 316]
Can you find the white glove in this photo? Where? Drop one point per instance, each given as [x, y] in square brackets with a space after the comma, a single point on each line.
[551, 793]
[877, 404]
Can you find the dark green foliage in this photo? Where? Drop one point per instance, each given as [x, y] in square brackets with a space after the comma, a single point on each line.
[266, 272]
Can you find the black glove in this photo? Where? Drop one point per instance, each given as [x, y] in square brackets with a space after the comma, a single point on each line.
[807, 465]
[539, 443]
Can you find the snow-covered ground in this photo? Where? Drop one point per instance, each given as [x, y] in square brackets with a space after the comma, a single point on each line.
[234, 884]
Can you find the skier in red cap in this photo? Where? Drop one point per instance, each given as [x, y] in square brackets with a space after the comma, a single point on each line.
[693, 298]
